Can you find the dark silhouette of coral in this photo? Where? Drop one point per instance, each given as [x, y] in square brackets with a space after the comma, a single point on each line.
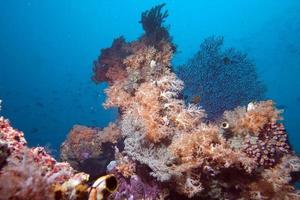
[152, 21]
[223, 79]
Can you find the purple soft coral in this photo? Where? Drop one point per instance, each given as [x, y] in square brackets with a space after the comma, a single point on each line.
[135, 188]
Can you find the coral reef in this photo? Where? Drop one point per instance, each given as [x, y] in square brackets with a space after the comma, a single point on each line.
[4, 153]
[276, 182]
[161, 147]
[116, 63]
[79, 145]
[220, 79]
[25, 179]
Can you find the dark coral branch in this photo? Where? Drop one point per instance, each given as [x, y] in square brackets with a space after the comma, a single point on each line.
[153, 19]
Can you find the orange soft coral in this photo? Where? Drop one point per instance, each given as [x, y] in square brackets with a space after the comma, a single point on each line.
[187, 117]
[125, 165]
[205, 147]
[144, 55]
[141, 58]
[110, 134]
[85, 142]
[117, 96]
[80, 145]
[193, 148]
[253, 118]
[147, 106]
[189, 184]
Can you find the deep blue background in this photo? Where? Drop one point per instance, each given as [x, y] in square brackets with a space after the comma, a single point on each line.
[47, 49]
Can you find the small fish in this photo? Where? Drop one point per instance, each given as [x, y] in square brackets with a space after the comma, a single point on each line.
[226, 61]
[39, 104]
[196, 99]
[282, 107]
[94, 121]
[103, 187]
[181, 96]
[34, 130]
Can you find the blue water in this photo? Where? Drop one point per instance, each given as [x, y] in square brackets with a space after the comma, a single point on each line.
[47, 49]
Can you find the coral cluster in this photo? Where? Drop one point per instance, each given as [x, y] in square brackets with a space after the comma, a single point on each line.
[268, 146]
[181, 151]
[84, 144]
[136, 188]
[220, 79]
[253, 118]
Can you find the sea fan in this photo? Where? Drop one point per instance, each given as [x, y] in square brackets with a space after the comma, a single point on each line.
[219, 79]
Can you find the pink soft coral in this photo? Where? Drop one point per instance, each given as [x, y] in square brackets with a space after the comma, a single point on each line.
[25, 180]
[31, 173]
